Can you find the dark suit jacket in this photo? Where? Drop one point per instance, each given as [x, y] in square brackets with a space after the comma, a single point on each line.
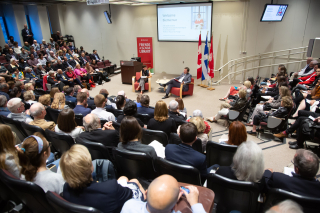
[8, 56]
[51, 81]
[108, 196]
[146, 110]
[79, 109]
[177, 117]
[70, 98]
[72, 63]
[93, 57]
[295, 184]
[106, 137]
[65, 65]
[186, 80]
[91, 103]
[186, 155]
[60, 78]
[25, 34]
[83, 60]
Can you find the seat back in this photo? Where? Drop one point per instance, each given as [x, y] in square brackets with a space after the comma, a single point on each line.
[221, 154]
[15, 126]
[71, 104]
[30, 129]
[53, 113]
[6, 194]
[191, 87]
[183, 173]
[138, 75]
[117, 112]
[102, 121]
[178, 123]
[233, 194]
[175, 139]
[134, 164]
[29, 193]
[275, 196]
[149, 135]
[116, 125]
[79, 119]
[97, 150]
[144, 118]
[60, 142]
[63, 206]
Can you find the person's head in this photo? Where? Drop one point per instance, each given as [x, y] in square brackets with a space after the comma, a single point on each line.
[15, 105]
[284, 91]
[145, 100]
[48, 64]
[32, 49]
[66, 121]
[130, 130]
[100, 100]
[130, 108]
[199, 123]
[188, 133]
[120, 101]
[23, 50]
[162, 194]
[186, 70]
[15, 70]
[180, 102]
[287, 206]
[91, 122]
[12, 61]
[15, 92]
[86, 91]
[3, 101]
[15, 44]
[144, 67]
[69, 51]
[69, 91]
[58, 32]
[7, 145]
[173, 106]
[82, 54]
[104, 92]
[33, 154]
[21, 60]
[50, 46]
[53, 91]
[309, 59]
[2, 80]
[247, 84]
[318, 72]
[45, 100]
[237, 133]
[37, 111]
[77, 88]
[25, 26]
[197, 113]
[87, 65]
[248, 162]
[139, 98]
[65, 58]
[4, 87]
[10, 50]
[82, 99]
[59, 101]
[122, 93]
[35, 42]
[43, 41]
[161, 111]
[243, 93]
[306, 163]
[51, 40]
[19, 84]
[6, 46]
[78, 66]
[94, 51]
[31, 56]
[76, 167]
[51, 74]
[286, 102]
[27, 69]
[312, 63]
[28, 95]
[81, 48]
[283, 69]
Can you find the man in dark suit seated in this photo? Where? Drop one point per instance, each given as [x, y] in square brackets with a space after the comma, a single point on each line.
[82, 104]
[106, 135]
[183, 79]
[184, 153]
[95, 57]
[66, 63]
[144, 109]
[174, 113]
[54, 82]
[303, 180]
[11, 55]
[69, 95]
[83, 59]
[64, 78]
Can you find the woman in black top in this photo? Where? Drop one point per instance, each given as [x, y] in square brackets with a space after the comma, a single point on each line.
[142, 81]
[120, 102]
[161, 120]
[130, 136]
[48, 66]
[22, 64]
[130, 109]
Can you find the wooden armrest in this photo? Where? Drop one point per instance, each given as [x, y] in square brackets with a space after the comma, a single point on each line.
[133, 81]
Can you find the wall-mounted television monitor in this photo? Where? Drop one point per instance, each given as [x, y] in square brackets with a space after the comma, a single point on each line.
[184, 22]
[273, 12]
[108, 17]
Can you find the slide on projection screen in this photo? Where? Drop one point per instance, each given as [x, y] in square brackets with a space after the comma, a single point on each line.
[183, 22]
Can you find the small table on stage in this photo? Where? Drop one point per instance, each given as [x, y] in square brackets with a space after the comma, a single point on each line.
[161, 82]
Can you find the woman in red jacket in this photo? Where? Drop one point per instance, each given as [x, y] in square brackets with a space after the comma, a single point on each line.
[72, 75]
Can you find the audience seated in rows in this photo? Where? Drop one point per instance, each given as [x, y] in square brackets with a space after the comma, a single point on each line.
[233, 91]
[130, 137]
[145, 109]
[38, 112]
[106, 135]
[161, 121]
[54, 82]
[82, 103]
[130, 109]
[303, 82]
[100, 102]
[4, 89]
[66, 124]
[16, 107]
[34, 152]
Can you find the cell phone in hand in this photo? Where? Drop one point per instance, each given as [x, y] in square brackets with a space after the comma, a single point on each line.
[185, 189]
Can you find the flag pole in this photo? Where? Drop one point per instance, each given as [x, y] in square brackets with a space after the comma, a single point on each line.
[205, 85]
[211, 88]
[200, 85]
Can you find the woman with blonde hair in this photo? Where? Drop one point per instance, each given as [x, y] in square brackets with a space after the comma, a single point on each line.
[28, 86]
[161, 120]
[201, 127]
[29, 97]
[45, 100]
[59, 101]
[235, 90]
[8, 153]
[53, 91]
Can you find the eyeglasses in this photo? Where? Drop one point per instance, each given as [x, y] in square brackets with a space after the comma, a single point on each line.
[292, 161]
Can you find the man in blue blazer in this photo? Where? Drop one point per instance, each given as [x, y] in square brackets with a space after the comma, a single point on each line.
[184, 153]
[183, 79]
[81, 107]
[69, 95]
[144, 109]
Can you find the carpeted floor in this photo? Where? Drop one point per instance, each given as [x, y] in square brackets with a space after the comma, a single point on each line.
[276, 154]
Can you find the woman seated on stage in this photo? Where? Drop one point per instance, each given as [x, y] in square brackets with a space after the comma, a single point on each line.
[142, 81]
[282, 112]
[238, 105]
[235, 90]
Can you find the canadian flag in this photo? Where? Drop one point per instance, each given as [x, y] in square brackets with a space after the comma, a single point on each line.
[211, 61]
[199, 64]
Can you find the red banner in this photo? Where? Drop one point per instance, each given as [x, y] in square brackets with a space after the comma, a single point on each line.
[145, 51]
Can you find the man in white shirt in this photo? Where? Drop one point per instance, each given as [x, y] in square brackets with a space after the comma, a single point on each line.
[308, 69]
[52, 58]
[16, 107]
[36, 45]
[100, 111]
[162, 195]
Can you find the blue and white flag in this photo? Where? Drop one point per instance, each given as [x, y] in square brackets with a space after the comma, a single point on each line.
[205, 60]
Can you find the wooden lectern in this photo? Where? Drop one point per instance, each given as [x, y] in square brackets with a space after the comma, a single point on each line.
[129, 69]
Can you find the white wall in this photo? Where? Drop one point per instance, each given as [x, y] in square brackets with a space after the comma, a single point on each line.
[54, 18]
[117, 41]
[44, 23]
[20, 16]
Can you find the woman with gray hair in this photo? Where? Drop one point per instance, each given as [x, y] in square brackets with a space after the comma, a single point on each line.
[198, 113]
[248, 164]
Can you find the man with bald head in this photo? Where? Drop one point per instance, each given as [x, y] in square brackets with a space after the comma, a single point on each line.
[27, 34]
[52, 57]
[2, 80]
[162, 194]
[38, 112]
